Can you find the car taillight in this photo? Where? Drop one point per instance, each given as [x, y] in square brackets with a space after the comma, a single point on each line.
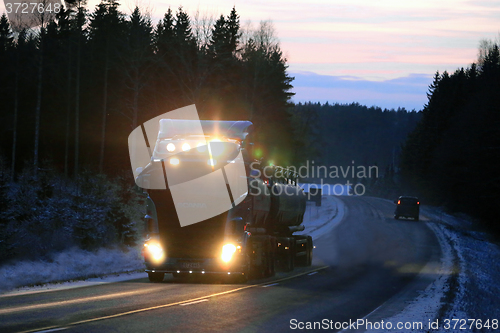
[418, 202]
[399, 202]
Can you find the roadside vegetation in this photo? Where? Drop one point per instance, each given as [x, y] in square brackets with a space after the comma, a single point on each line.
[452, 156]
[50, 214]
[73, 89]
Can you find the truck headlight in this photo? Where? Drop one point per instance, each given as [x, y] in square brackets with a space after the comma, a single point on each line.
[227, 252]
[155, 251]
[170, 147]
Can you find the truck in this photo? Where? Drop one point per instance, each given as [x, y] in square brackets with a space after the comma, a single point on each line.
[250, 237]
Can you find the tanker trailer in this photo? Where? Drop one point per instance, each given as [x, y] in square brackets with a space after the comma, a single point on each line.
[209, 211]
[286, 214]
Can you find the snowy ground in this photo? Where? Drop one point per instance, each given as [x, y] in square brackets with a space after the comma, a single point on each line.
[474, 285]
[70, 269]
[466, 287]
[320, 220]
[78, 268]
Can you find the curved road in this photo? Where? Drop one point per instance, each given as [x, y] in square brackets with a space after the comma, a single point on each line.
[368, 262]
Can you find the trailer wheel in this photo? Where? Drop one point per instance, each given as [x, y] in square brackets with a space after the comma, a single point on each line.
[309, 250]
[250, 270]
[156, 277]
[273, 255]
[270, 256]
[303, 250]
[290, 255]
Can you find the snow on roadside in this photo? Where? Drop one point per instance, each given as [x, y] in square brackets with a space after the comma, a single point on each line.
[477, 294]
[467, 284]
[74, 264]
[104, 265]
[319, 220]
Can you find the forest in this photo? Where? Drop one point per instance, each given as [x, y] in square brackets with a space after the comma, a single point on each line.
[75, 87]
[338, 134]
[452, 156]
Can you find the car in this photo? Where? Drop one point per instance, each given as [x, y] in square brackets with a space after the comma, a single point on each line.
[407, 207]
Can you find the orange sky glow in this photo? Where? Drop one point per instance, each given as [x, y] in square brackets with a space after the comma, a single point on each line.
[372, 41]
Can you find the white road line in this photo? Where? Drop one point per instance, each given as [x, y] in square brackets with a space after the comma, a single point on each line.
[163, 306]
[312, 273]
[54, 330]
[76, 301]
[270, 285]
[195, 302]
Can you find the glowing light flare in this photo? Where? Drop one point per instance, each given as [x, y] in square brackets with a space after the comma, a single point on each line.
[155, 250]
[211, 161]
[227, 252]
[174, 161]
[171, 147]
[186, 147]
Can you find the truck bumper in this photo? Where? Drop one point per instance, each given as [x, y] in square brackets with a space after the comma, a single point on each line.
[197, 266]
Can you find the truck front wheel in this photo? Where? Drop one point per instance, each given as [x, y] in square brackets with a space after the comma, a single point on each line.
[156, 277]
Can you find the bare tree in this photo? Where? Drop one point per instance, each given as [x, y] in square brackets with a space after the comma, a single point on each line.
[265, 36]
[202, 28]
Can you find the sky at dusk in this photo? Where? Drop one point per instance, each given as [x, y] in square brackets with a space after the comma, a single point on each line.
[381, 53]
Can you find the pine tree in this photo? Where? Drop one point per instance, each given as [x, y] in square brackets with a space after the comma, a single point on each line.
[80, 21]
[6, 36]
[107, 35]
[138, 59]
[9, 54]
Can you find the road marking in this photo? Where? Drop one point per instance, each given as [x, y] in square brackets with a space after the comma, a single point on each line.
[75, 301]
[171, 304]
[270, 285]
[54, 330]
[195, 302]
[313, 273]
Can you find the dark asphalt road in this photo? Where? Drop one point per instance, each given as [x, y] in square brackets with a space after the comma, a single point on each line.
[362, 263]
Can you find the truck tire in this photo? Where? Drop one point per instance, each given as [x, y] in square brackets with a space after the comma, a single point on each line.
[310, 248]
[270, 256]
[267, 257]
[155, 277]
[252, 271]
[303, 250]
[273, 253]
[290, 255]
